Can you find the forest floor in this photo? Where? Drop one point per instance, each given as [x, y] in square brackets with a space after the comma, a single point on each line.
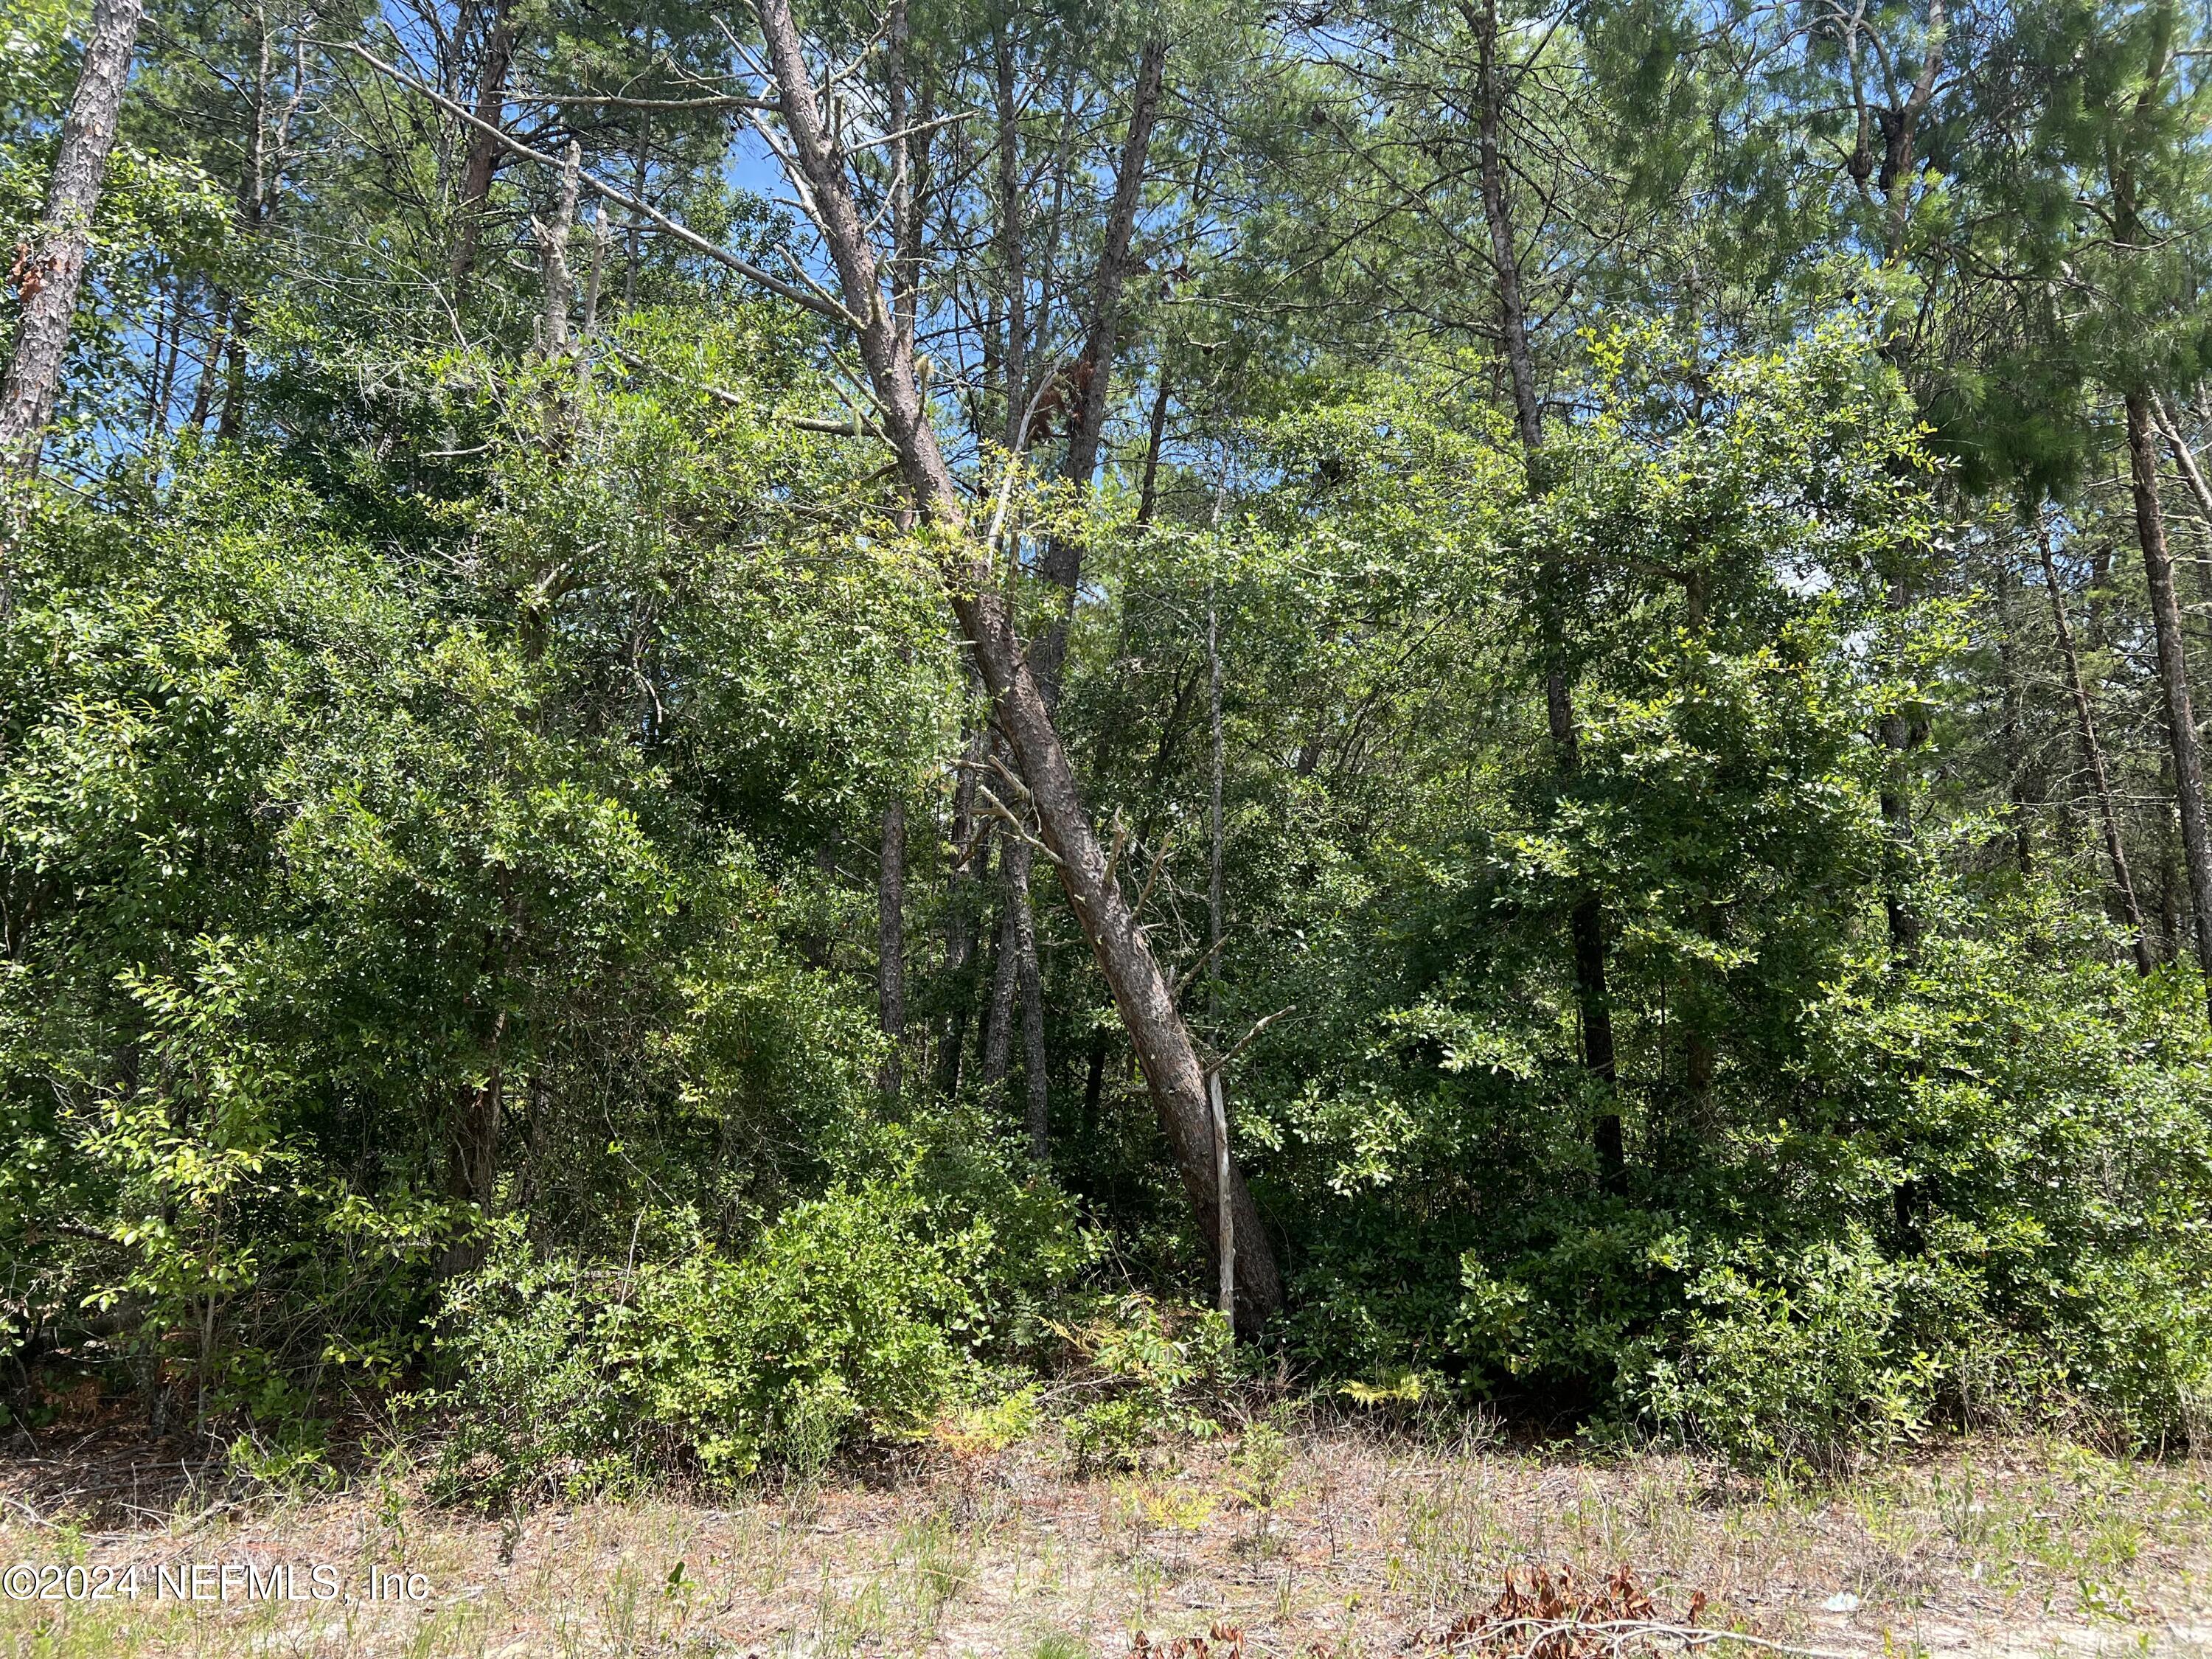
[1329, 1542]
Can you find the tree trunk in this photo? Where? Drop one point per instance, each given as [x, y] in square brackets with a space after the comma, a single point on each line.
[1217, 765]
[2184, 460]
[1063, 563]
[1513, 311]
[50, 271]
[1141, 993]
[1035, 1076]
[2084, 719]
[203, 389]
[1005, 964]
[959, 928]
[1900, 735]
[2170, 917]
[1094, 1082]
[472, 1172]
[2174, 675]
[2015, 752]
[1587, 919]
[891, 942]
[1014, 360]
[553, 242]
[484, 151]
[1147, 492]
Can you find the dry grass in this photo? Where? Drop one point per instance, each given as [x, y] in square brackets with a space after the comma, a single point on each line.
[1331, 1542]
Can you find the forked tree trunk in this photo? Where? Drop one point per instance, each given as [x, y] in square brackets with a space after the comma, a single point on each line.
[2085, 719]
[2173, 673]
[50, 271]
[1141, 991]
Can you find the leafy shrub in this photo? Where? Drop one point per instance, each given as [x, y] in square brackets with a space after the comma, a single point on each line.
[1789, 1359]
[859, 1313]
[1159, 1371]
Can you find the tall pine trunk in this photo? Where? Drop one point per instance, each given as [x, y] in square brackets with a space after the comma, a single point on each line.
[2173, 673]
[2093, 753]
[50, 270]
[1586, 921]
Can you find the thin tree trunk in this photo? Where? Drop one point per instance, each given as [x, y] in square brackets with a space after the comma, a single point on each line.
[959, 929]
[1505, 255]
[1224, 1218]
[232, 420]
[2174, 675]
[50, 271]
[1013, 363]
[1035, 1076]
[2170, 883]
[1587, 920]
[1146, 498]
[1063, 563]
[1213, 809]
[167, 319]
[589, 333]
[1094, 1081]
[1900, 735]
[2085, 719]
[484, 151]
[203, 388]
[553, 239]
[2015, 752]
[997, 1057]
[1141, 991]
[472, 1173]
[2184, 460]
[891, 942]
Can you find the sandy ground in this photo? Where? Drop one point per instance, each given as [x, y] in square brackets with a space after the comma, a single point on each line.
[1331, 1542]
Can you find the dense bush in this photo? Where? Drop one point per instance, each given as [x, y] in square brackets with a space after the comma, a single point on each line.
[864, 1311]
[441, 961]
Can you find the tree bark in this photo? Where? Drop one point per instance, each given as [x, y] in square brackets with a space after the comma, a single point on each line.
[1014, 361]
[1035, 1076]
[2184, 460]
[1005, 964]
[50, 273]
[1140, 991]
[2085, 720]
[1147, 492]
[2173, 674]
[1062, 564]
[553, 240]
[484, 151]
[959, 928]
[1520, 361]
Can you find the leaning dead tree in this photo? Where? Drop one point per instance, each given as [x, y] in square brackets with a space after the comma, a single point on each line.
[1172, 1071]
[818, 162]
[50, 270]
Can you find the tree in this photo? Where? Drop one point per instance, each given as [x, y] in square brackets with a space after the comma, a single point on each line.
[1140, 991]
[48, 273]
